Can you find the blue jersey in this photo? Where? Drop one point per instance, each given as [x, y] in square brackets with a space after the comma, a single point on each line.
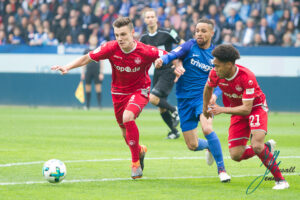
[197, 63]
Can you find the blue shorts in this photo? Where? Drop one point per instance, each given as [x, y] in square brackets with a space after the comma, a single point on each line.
[189, 110]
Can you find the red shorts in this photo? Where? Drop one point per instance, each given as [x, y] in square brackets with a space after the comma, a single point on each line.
[134, 102]
[241, 126]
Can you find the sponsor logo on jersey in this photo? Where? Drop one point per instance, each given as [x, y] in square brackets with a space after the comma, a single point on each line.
[127, 69]
[115, 56]
[202, 66]
[234, 96]
[250, 91]
[238, 88]
[177, 49]
[195, 55]
[137, 60]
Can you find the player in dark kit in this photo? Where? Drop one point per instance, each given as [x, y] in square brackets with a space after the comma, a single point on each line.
[163, 81]
[92, 72]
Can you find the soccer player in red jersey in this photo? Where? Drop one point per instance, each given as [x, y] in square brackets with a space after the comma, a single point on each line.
[245, 101]
[130, 61]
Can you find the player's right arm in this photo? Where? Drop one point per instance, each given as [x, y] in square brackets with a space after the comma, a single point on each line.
[102, 52]
[81, 61]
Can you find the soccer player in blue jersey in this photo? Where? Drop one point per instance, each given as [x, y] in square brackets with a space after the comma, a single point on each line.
[196, 56]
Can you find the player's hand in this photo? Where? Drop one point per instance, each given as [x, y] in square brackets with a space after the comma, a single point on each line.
[63, 70]
[101, 77]
[207, 114]
[215, 109]
[158, 63]
[178, 71]
[213, 99]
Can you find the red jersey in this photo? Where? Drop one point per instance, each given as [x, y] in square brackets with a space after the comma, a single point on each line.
[129, 70]
[242, 86]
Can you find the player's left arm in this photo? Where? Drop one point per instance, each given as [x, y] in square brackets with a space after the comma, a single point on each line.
[244, 109]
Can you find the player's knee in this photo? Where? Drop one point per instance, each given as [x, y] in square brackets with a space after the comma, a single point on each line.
[153, 99]
[235, 157]
[257, 147]
[192, 146]
[127, 117]
[207, 130]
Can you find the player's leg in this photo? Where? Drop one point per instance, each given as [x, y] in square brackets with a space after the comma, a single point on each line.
[258, 124]
[98, 88]
[188, 124]
[88, 87]
[213, 142]
[134, 107]
[239, 133]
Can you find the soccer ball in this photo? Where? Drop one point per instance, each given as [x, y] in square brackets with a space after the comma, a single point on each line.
[54, 171]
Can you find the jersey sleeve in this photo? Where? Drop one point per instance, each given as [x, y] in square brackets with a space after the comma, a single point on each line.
[212, 80]
[152, 53]
[102, 52]
[249, 85]
[179, 52]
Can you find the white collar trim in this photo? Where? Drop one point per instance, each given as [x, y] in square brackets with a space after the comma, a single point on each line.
[130, 50]
[237, 71]
[152, 34]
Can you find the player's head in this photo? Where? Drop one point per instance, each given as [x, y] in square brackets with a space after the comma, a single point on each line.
[225, 57]
[204, 32]
[150, 17]
[123, 28]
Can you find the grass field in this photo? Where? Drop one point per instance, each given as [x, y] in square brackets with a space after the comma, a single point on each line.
[98, 164]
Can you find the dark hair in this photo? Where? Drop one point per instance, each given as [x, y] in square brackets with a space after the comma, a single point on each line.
[123, 21]
[206, 21]
[226, 53]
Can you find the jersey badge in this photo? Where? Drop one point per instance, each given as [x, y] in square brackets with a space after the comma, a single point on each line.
[238, 88]
[250, 82]
[137, 60]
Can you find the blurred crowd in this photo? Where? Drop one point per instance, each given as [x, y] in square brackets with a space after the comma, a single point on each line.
[239, 22]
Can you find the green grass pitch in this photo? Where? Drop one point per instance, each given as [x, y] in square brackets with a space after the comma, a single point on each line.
[98, 161]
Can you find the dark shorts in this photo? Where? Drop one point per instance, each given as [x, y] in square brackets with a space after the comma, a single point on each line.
[92, 75]
[162, 83]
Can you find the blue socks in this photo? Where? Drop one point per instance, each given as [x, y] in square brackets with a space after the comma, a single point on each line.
[216, 150]
[202, 144]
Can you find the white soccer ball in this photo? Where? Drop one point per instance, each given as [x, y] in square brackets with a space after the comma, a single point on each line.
[54, 171]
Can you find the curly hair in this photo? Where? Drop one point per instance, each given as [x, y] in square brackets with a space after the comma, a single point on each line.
[226, 53]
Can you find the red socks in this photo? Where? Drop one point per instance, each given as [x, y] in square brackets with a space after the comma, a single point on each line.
[132, 139]
[268, 160]
[248, 153]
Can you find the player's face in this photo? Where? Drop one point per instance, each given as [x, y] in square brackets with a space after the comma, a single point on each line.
[223, 69]
[203, 34]
[124, 37]
[150, 18]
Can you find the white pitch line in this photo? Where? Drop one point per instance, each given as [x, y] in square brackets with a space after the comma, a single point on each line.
[129, 179]
[123, 159]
